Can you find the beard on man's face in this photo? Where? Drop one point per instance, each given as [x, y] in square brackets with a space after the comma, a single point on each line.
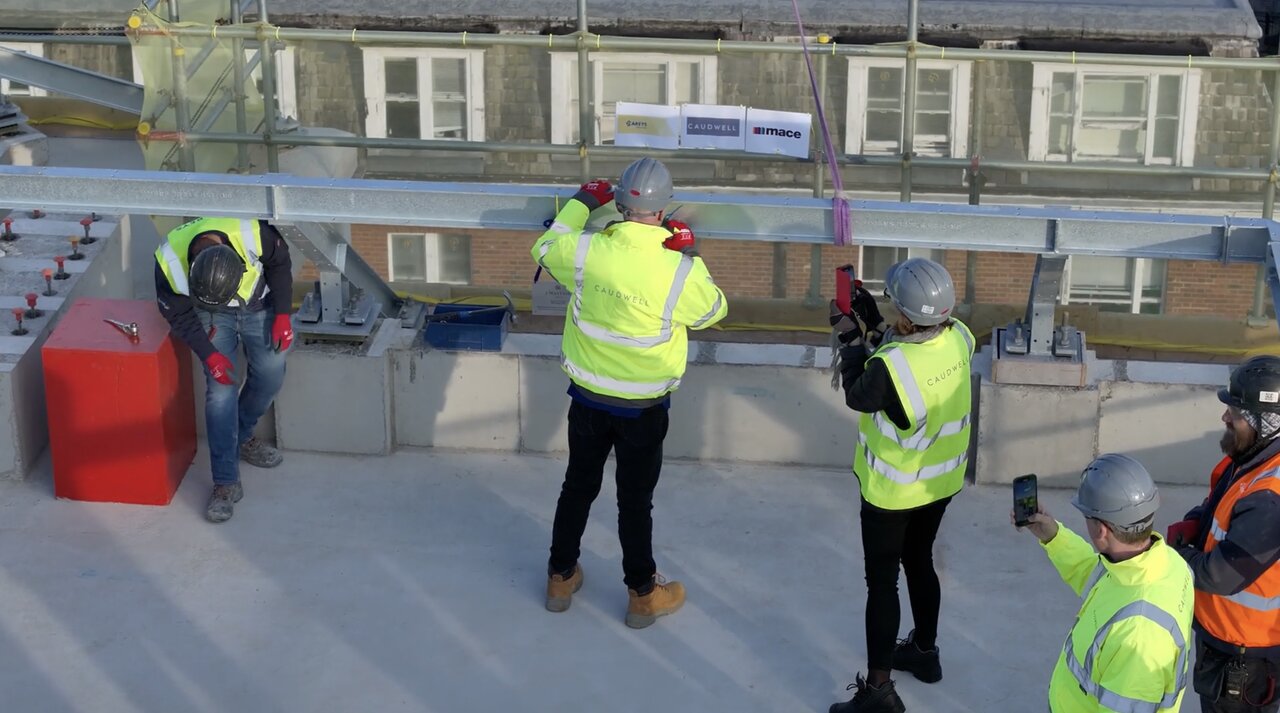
[1234, 442]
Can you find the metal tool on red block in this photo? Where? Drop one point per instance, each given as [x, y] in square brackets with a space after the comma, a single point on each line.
[129, 328]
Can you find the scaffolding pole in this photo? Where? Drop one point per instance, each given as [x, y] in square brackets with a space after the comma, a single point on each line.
[909, 97]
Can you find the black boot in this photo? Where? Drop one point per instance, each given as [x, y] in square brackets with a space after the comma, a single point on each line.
[922, 664]
[870, 699]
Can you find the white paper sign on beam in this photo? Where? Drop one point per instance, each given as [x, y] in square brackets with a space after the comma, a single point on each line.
[778, 132]
[707, 126]
[655, 126]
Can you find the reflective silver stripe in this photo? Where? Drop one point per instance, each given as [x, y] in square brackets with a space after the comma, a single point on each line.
[968, 338]
[907, 380]
[1094, 576]
[1115, 701]
[558, 227]
[1255, 602]
[251, 247]
[1218, 533]
[715, 308]
[928, 472]
[920, 440]
[641, 389]
[177, 273]
[595, 331]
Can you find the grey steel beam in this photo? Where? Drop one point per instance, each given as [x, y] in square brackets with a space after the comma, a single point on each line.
[758, 217]
[70, 81]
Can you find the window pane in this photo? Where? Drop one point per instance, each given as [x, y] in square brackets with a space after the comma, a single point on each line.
[876, 262]
[1060, 135]
[884, 87]
[634, 82]
[1153, 279]
[1170, 90]
[408, 257]
[1106, 96]
[402, 78]
[1062, 94]
[448, 78]
[933, 124]
[455, 258]
[403, 120]
[687, 89]
[1165, 143]
[450, 120]
[933, 90]
[884, 126]
[1111, 142]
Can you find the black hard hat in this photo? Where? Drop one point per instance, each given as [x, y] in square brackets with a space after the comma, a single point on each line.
[215, 275]
[1254, 386]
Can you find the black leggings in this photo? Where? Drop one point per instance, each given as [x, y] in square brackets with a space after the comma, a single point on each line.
[890, 538]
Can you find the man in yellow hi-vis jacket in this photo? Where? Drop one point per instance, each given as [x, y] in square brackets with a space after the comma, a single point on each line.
[1130, 645]
[637, 286]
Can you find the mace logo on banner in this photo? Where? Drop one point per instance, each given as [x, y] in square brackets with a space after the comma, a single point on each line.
[778, 132]
[655, 126]
[706, 126]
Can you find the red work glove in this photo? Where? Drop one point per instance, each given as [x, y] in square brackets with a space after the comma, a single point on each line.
[1182, 533]
[220, 368]
[595, 193]
[281, 332]
[681, 236]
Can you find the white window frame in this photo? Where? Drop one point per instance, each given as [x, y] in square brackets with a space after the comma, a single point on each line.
[286, 78]
[877, 281]
[855, 141]
[564, 78]
[1137, 270]
[430, 256]
[35, 49]
[1188, 110]
[375, 87]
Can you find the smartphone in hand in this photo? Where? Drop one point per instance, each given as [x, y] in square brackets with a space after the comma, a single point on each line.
[844, 288]
[1025, 499]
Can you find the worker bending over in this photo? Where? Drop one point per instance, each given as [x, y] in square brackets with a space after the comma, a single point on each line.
[223, 283]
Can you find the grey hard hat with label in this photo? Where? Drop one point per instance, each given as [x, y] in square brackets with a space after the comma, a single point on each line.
[645, 187]
[1118, 490]
[922, 291]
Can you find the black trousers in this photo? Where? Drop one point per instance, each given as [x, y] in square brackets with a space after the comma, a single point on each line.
[1259, 678]
[891, 538]
[637, 444]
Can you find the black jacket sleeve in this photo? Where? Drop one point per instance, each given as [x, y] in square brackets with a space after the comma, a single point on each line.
[180, 312]
[868, 388]
[277, 270]
[1251, 548]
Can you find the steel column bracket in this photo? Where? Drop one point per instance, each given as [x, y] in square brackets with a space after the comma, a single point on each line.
[1032, 350]
[349, 296]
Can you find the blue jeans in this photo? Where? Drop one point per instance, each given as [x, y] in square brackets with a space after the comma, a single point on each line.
[231, 412]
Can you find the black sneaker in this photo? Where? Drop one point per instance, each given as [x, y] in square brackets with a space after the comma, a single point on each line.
[924, 665]
[870, 699]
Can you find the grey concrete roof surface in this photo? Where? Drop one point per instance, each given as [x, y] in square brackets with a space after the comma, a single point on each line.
[1147, 19]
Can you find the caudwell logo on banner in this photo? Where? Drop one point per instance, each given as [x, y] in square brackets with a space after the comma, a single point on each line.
[707, 126]
[778, 132]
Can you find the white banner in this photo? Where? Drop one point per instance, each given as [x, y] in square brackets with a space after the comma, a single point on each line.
[778, 132]
[654, 126]
[706, 126]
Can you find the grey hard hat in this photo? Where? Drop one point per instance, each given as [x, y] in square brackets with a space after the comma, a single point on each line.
[922, 291]
[1116, 489]
[645, 186]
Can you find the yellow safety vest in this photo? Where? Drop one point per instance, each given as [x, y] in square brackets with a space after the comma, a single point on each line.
[904, 469]
[243, 235]
[624, 334]
[1129, 648]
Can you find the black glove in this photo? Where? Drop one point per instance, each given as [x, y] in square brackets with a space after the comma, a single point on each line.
[845, 325]
[865, 307]
[853, 360]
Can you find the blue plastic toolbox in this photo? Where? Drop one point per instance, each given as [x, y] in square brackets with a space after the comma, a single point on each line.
[476, 327]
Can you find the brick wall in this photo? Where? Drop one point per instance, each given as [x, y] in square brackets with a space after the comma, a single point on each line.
[1209, 289]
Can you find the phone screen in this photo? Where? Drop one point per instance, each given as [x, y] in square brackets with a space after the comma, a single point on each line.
[1024, 499]
[844, 288]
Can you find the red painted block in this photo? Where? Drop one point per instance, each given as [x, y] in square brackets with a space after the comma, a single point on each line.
[121, 410]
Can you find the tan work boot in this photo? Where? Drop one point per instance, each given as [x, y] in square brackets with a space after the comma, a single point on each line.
[560, 591]
[665, 598]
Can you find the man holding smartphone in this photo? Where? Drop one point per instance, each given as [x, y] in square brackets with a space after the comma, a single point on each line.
[1232, 544]
[1130, 645]
[912, 388]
